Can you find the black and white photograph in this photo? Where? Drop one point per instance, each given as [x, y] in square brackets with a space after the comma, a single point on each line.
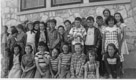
[68, 39]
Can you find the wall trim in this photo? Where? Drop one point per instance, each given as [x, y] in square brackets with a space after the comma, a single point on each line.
[73, 6]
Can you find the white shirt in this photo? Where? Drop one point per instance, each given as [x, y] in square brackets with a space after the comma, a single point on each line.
[90, 37]
[30, 37]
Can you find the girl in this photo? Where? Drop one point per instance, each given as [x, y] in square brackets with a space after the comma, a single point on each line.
[65, 60]
[91, 67]
[31, 36]
[16, 71]
[28, 64]
[36, 26]
[54, 63]
[111, 33]
[106, 14]
[77, 61]
[112, 61]
[21, 38]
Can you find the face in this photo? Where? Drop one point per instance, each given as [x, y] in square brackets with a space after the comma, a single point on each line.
[78, 49]
[111, 23]
[42, 27]
[52, 25]
[77, 23]
[36, 27]
[91, 57]
[99, 21]
[28, 50]
[16, 50]
[54, 53]
[30, 26]
[41, 48]
[61, 30]
[111, 51]
[106, 14]
[65, 48]
[90, 23]
[67, 25]
[117, 17]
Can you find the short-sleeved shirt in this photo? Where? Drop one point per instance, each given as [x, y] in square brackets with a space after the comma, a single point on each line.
[39, 56]
[81, 32]
[30, 37]
[54, 63]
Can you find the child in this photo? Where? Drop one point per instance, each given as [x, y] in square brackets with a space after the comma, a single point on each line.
[100, 23]
[36, 26]
[31, 36]
[12, 40]
[53, 35]
[112, 61]
[28, 63]
[16, 71]
[111, 34]
[5, 63]
[61, 31]
[77, 61]
[54, 63]
[123, 44]
[42, 61]
[41, 35]
[91, 67]
[93, 36]
[106, 14]
[65, 61]
[21, 38]
[77, 33]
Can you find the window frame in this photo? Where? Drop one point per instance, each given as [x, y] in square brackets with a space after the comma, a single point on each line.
[65, 4]
[21, 9]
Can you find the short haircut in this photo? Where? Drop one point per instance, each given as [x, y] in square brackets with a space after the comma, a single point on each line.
[14, 31]
[79, 44]
[106, 10]
[92, 52]
[61, 27]
[110, 18]
[42, 44]
[36, 22]
[78, 19]
[20, 26]
[99, 17]
[121, 18]
[67, 21]
[90, 18]
[53, 21]
[18, 47]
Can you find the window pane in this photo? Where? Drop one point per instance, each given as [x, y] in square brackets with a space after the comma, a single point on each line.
[65, 2]
[31, 4]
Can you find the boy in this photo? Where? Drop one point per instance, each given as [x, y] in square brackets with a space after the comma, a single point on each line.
[42, 61]
[53, 35]
[77, 33]
[77, 61]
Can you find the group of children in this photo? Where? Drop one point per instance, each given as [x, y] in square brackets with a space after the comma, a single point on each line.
[82, 49]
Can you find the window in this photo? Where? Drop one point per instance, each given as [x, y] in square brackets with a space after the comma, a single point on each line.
[31, 4]
[64, 2]
[98, 0]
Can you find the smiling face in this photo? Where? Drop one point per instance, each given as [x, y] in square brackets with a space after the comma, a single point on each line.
[42, 27]
[28, 50]
[111, 23]
[77, 23]
[30, 27]
[67, 25]
[41, 48]
[78, 49]
[61, 30]
[36, 27]
[106, 14]
[65, 49]
[111, 51]
[117, 17]
[90, 23]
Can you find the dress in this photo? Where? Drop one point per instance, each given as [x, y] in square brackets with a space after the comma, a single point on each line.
[111, 36]
[91, 69]
[16, 71]
[28, 62]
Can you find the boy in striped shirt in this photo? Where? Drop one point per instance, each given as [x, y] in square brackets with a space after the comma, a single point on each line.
[42, 61]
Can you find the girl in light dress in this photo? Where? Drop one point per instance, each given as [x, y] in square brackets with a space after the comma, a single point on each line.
[28, 63]
[31, 36]
[91, 68]
[16, 71]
